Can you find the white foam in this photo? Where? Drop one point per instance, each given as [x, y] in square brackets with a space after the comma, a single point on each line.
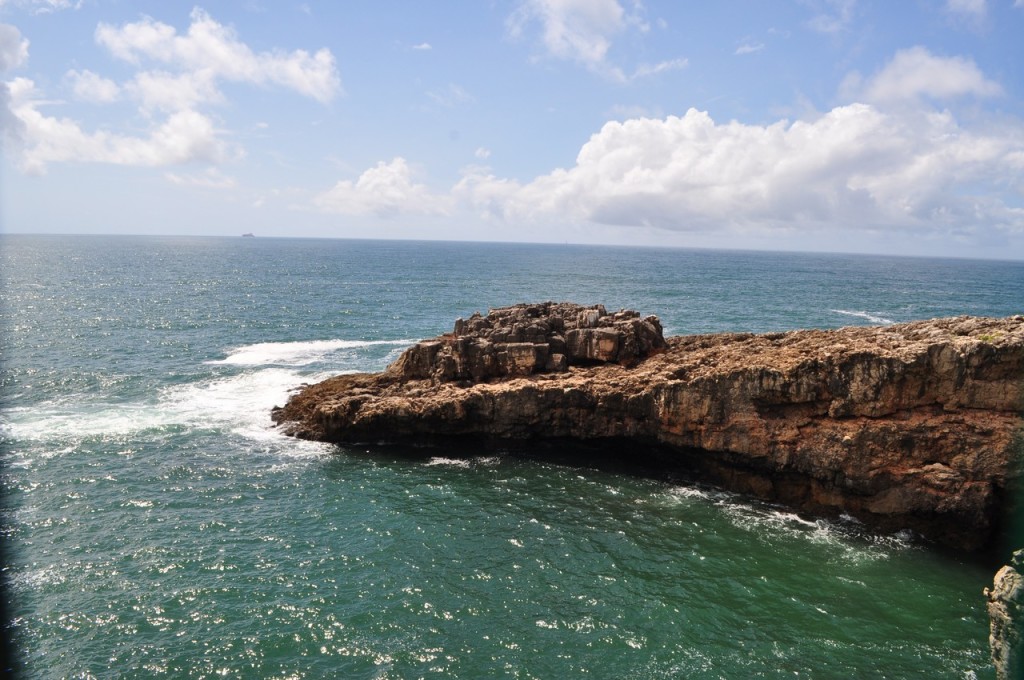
[453, 462]
[873, 318]
[239, 404]
[295, 353]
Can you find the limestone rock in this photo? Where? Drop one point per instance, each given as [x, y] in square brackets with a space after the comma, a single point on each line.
[525, 339]
[910, 426]
[1006, 619]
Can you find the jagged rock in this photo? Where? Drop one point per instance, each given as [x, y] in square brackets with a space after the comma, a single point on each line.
[907, 426]
[1006, 619]
[525, 339]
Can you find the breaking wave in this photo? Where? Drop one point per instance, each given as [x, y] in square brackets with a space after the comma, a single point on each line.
[297, 353]
[873, 318]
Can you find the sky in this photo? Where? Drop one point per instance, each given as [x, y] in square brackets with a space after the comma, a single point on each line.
[885, 126]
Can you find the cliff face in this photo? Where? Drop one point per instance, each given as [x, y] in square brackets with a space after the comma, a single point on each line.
[907, 426]
[1006, 619]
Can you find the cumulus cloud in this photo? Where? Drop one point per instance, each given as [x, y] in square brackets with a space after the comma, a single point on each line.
[386, 190]
[91, 87]
[13, 48]
[169, 92]
[215, 51]
[916, 72]
[877, 163]
[856, 167]
[184, 137]
[171, 96]
[13, 53]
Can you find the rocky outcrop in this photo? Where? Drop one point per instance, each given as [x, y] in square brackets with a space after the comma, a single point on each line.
[1006, 619]
[906, 426]
[526, 339]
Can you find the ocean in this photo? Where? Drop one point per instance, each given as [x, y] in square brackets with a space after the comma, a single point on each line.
[160, 527]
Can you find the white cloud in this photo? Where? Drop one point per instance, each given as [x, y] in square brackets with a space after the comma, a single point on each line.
[195, 64]
[749, 48]
[42, 6]
[422, 46]
[972, 8]
[215, 51]
[855, 167]
[184, 137]
[580, 30]
[832, 15]
[90, 87]
[13, 48]
[482, 153]
[915, 72]
[13, 53]
[212, 178]
[162, 91]
[451, 96]
[386, 190]
[645, 70]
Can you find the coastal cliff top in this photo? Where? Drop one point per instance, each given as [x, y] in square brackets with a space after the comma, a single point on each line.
[713, 353]
[707, 357]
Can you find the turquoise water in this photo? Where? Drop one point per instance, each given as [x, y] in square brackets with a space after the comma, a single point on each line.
[162, 528]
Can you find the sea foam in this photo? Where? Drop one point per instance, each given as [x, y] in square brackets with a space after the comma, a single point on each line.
[873, 318]
[239, 404]
[296, 353]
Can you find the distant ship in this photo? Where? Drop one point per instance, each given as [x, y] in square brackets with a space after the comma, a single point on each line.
[249, 235]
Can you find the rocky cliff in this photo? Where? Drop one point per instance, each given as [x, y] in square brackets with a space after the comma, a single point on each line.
[1006, 619]
[908, 426]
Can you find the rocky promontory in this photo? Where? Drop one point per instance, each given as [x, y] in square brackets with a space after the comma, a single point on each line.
[915, 425]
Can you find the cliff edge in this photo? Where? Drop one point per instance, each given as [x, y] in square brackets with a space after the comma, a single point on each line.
[915, 425]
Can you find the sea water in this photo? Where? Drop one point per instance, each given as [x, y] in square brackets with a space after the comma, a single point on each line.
[159, 526]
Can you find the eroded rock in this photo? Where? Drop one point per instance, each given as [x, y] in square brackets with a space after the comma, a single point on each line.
[526, 339]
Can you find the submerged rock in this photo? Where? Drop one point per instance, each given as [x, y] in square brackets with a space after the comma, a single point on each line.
[910, 426]
[1006, 619]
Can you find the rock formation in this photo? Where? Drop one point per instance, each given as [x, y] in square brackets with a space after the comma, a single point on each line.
[1006, 619]
[526, 339]
[906, 426]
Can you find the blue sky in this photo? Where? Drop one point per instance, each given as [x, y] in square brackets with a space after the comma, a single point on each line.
[841, 125]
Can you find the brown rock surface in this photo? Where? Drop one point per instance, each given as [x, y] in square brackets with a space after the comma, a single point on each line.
[906, 426]
[1006, 619]
[526, 339]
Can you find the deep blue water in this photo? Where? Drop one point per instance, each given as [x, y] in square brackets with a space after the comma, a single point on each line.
[162, 528]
